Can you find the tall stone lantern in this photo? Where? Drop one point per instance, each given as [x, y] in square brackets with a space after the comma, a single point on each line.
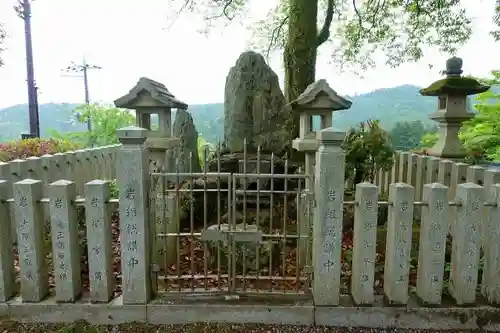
[147, 98]
[452, 92]
[319, 99]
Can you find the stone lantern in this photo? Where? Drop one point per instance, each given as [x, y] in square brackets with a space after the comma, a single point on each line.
[452, 93]
[147, 98]
[319, 99]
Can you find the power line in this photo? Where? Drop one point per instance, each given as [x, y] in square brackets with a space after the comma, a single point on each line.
[84, 67]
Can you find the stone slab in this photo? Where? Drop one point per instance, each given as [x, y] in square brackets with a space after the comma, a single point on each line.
[411, 316]
[49, 311]
[177, 314]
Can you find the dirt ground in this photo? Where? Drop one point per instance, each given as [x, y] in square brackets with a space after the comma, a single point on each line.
[82, 327]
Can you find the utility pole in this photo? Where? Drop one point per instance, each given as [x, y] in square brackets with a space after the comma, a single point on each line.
[83, 68]
[23, 10]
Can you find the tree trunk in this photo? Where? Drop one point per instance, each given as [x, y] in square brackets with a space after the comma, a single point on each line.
[300, 52]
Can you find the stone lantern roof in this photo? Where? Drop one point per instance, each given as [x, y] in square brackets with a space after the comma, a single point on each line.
[310, 98]
[159, 94]
[454, 84]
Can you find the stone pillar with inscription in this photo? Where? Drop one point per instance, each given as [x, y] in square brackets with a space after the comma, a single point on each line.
[431, 254]
[132, 175]
[365, 240]
[29, 222]
[327, 228]
[465, 254]
[65, 247]
[398, 243]
[100, 251]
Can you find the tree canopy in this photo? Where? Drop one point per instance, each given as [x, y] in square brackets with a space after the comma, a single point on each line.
[358, 30]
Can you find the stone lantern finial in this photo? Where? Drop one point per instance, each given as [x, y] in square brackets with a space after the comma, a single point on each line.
[454, 67]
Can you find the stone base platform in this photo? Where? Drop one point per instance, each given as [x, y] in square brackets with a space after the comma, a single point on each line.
[195, 310]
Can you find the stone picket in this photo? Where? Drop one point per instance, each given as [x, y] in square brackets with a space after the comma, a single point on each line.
[432, 248]
[458, 176]
[466, 243]
[398, 248]
[395, 169]
[364, 242]
[65, 245]
[432, 170]
[412, 169]
[421, 175]
[404, 159]
[327, 226]
[100, 251]
[444, 172]
[490, 286]
[475, 174]
[132, 170]
[7, 276]
[29, 222]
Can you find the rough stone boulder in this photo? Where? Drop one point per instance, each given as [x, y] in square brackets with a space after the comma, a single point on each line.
[234, 163]
[185, 130]
[199, 199]
[254, 107]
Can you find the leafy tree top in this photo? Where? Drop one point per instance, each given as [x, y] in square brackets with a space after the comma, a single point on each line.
[359, 31]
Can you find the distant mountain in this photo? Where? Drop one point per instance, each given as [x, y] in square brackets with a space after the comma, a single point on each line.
[389, 105]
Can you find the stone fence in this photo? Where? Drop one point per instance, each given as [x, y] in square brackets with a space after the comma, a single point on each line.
[417, 170]
[80, 166]
[475, 208]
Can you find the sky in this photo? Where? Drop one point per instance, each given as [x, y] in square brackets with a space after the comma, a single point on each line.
[130, 39]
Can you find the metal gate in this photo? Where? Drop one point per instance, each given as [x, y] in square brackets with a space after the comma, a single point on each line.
[232, 234]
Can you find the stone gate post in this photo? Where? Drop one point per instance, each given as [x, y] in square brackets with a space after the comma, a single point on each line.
[327, 228]
[132, 179]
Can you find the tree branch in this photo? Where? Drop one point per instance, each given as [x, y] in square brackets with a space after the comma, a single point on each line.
[275, 35]
[324, 33]
[225, 10]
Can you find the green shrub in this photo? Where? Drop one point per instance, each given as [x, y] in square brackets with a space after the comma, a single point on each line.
[20, 149]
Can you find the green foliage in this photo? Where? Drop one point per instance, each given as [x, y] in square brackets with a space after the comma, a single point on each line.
[105, 121]
[365, 30]
[406, 135]
[21, 149]
[429, 139]
[368, 149]
[482, 133]
[400, 29]
[206, 150]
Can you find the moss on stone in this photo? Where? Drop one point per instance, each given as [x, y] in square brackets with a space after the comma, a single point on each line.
[454, 86]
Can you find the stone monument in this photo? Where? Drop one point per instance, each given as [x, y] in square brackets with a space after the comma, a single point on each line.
[253, 107]
[452, 93]
[185, 156]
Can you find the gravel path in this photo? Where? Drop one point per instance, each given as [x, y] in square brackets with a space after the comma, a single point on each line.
[81, 327]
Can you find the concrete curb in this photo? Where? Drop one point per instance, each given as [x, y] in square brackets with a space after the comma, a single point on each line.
[172, 313]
